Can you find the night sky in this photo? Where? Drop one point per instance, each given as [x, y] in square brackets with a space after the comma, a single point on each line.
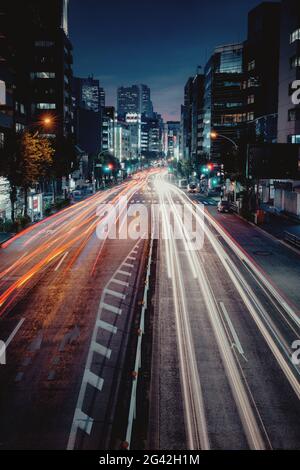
[157, 42]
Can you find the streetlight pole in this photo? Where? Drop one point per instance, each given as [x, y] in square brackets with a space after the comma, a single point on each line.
[214, 135]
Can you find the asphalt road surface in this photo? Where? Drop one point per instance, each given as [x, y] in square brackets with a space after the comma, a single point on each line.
[223, 377]
[226, 315]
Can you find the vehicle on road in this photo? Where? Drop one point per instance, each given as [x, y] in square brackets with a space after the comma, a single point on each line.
[182, 184]
[192, 188]
[224, 207]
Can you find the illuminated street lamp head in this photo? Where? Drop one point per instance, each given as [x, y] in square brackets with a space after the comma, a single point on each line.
[213, 135]
[47, 121]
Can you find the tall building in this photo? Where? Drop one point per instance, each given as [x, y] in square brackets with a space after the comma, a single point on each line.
[123, 142]
[128, 100]
[261, 68]
[108, 129]
[186, 120]
[289, 72]
[172, 139]
[151, 137]
[87, 114]
[42, 62]
[192, 119]
[223, 100]
[134, 123]
[135, 99]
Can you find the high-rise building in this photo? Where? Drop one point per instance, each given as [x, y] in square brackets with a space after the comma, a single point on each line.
[108, 129]
[172, 139]
[134, 123]
[42, 62]
[223, 100]
[87, 114]
[135, 99]
[289, 73]
[128, 100]
[261, 69]
[151, 137]
[192, 116]
[123, 142]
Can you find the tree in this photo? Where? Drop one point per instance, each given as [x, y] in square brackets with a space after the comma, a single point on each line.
[36, 157]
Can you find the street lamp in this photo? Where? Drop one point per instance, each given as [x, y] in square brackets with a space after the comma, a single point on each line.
[214, 135]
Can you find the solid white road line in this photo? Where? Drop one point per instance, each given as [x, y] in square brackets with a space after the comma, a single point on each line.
[13, 334]
[61, 261]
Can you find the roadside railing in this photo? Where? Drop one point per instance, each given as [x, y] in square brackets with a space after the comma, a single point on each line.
[138, 357]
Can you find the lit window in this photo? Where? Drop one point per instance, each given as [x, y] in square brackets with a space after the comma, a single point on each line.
[2, 93]
[42, 75]
[294, 139]
[46, 106]
[294, 114]
[295, 36]
[250, 116]
[19, 127]
[251, 99]
[2, 139]
[295, 62]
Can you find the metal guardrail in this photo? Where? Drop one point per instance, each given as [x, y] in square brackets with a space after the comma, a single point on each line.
[292, 239]
[138, 358]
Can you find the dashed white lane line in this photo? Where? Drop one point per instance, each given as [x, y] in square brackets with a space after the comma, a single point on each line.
[114, 293]
[111, 308]
[61, 261]
[93, 379]
[131, 258]
[107, 327]
[125, 273]
[128, 265]
[120, 283]
[83, 421]
[102, 350]
[237, 342]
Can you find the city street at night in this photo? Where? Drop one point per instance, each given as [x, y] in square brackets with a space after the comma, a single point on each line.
[150, 231]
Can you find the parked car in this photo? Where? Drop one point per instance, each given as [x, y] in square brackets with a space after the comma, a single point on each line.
[224, 207]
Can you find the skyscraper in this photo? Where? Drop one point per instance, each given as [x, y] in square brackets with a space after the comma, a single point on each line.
[135, 99]
[223, 100]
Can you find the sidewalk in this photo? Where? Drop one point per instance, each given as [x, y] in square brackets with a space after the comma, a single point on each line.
[278, 224]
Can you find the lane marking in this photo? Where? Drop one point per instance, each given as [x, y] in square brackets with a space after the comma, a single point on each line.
[107, 327]
[93, 379]
[125, 273]
[114, 293]
[13, 334]
[102, 350]
[110, 308]
[84, 422]
[121, 283]
[237, 342]
[132, 258]
[128, 265]
[61, 261]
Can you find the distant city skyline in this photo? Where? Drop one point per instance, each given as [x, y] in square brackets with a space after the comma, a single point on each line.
[162, 52]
